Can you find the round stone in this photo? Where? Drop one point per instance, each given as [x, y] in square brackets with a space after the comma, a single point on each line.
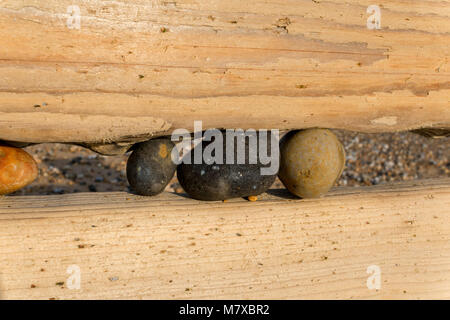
[150, 167]
[311, 162]
[17, 169]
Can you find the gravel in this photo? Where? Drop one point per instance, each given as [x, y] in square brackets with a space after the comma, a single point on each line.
[371, 159]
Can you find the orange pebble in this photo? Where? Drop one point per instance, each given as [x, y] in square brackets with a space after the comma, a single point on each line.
[17, 169]
[252, 198]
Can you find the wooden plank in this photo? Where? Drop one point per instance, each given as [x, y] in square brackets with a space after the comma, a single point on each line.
[174, 247]
[138, 68]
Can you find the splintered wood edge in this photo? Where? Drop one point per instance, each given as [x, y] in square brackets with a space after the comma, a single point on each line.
[278, 247]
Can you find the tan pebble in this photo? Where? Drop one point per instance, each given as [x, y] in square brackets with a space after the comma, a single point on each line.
[311, 162]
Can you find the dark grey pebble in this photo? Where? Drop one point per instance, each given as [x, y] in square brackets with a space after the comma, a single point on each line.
[150, 167]
[213, 182]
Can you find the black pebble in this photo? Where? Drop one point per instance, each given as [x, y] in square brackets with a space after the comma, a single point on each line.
[213, 182]
[150, 167]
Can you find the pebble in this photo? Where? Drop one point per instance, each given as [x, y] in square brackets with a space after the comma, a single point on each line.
[17, 169]
[215, 182]
[150, 167]
[58, 190]
[312, 161]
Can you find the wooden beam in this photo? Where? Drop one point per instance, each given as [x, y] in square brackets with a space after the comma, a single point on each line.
[278, 247]
[136, 69]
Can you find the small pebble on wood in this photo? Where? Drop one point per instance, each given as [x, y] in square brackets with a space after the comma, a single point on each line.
[311, 162]
[214, 182]
[150, 167]
[17, 169]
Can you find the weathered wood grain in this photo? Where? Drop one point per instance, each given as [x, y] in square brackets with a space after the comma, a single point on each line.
[278, 247]
[236, 64]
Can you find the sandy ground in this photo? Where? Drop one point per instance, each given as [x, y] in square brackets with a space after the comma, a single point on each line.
[371, 159]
